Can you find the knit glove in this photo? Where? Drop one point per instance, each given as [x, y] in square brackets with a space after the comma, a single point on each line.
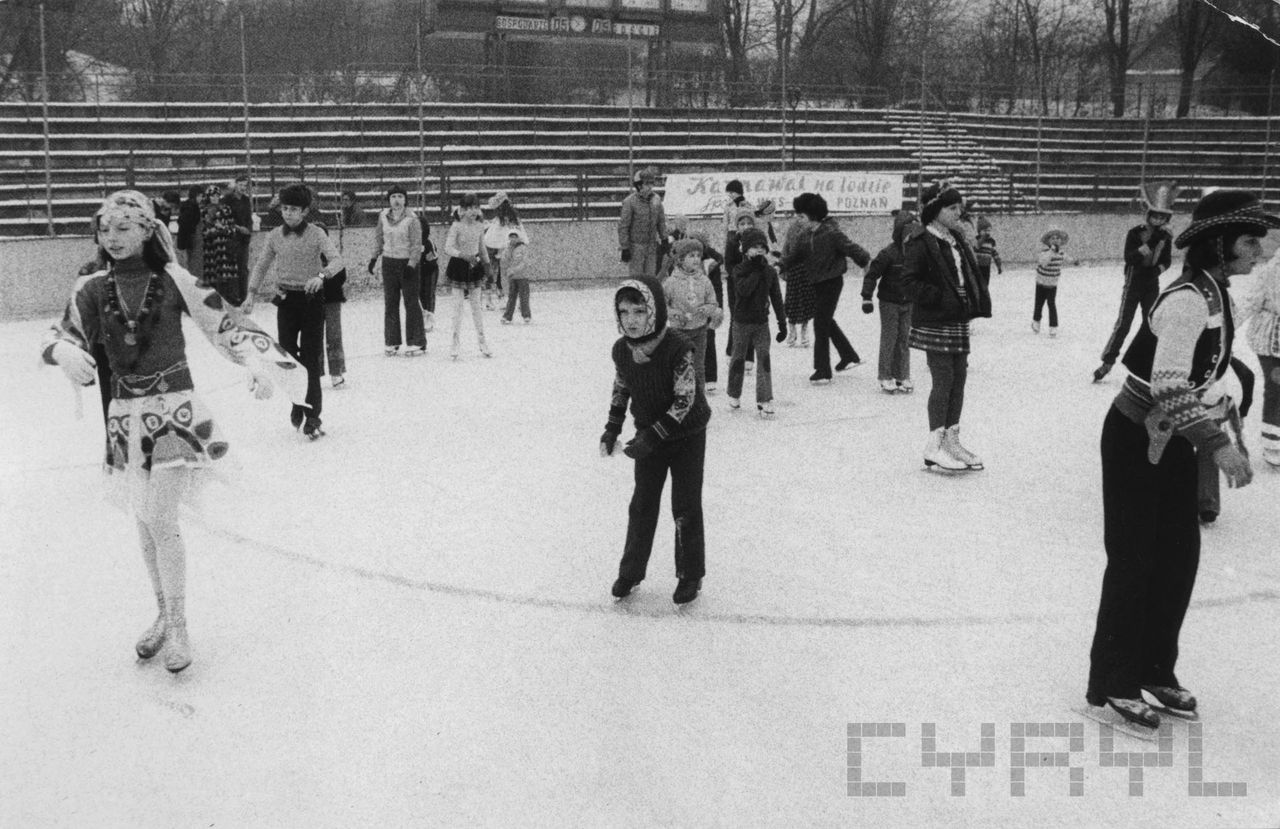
[868, 306]
[607, 442]
[642, 445]
[372, 262]
[76, 363]
[781, 336]
[626, 254]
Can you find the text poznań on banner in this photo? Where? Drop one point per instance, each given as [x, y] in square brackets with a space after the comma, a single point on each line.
[702, 194]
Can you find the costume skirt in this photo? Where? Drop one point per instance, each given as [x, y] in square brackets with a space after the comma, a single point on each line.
[173, 429]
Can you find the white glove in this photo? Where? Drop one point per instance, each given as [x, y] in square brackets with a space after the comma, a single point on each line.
[261, 386]
[77, 364]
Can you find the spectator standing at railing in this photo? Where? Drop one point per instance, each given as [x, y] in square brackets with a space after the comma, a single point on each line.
[1147, 254]
[642, 225]
[239, 198]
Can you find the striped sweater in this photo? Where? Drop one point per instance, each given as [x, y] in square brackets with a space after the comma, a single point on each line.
[1049, 267]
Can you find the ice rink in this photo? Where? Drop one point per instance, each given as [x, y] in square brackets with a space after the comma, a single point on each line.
[408, 623]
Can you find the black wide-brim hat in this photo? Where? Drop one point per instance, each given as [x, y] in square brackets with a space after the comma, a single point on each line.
[1226, 207]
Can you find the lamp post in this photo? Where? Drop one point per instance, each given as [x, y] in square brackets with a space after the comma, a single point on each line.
[244, 94]
[44, 113]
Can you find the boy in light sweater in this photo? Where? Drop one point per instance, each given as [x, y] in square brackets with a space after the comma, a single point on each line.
[304, 258]
[515, 264]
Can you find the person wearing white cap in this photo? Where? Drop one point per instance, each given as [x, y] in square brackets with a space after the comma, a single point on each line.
[642, 225]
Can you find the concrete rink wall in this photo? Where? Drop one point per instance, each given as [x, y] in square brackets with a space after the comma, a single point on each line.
[36, 275]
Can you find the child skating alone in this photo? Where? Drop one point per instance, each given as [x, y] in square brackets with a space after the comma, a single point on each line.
[755, 287]
[468, 265]
[692, 308]
[515, 264]
[1048, 272]
[161, 438]
[654, 372]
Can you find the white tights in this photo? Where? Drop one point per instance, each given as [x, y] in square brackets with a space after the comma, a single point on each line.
[161, 538]
[463, 296]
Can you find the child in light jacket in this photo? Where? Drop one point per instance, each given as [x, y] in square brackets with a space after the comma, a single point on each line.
[692, 308]
[515, 264]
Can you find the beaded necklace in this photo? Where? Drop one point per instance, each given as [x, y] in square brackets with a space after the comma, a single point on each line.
[115, 304]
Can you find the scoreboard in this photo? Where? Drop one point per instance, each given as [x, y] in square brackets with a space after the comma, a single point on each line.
[694, 21]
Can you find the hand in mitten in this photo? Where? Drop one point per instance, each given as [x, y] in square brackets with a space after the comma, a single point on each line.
[77, 364]
[607, 442]
[867, 306]
[626, 254]
[372, 262]
[781, 336]
[642, 445]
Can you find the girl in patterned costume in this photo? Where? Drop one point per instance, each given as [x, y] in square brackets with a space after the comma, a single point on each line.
[1156, 427]
[160, 435]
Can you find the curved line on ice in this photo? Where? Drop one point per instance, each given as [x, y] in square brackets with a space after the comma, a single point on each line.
[666, 612]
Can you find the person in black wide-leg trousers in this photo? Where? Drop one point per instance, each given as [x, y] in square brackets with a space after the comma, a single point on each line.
[1150, 574]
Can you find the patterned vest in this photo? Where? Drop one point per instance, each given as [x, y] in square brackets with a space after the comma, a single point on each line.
[1213, 349]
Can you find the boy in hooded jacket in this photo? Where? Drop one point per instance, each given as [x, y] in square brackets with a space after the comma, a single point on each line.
[654, 373]
[755, 287]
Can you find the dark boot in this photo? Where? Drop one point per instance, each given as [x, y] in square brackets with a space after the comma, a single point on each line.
[623, 587]
[686, 590]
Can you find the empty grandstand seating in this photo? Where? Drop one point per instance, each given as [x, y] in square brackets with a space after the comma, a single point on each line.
[572, 161]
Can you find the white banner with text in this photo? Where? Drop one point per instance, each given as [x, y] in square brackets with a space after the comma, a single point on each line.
[702, 194]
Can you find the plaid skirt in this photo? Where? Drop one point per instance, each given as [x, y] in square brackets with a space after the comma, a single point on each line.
[947, 338]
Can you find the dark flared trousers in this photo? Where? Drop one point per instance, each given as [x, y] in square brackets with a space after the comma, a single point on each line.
[826, 331]
[300, 329]
[1152, 537]
[684, 459]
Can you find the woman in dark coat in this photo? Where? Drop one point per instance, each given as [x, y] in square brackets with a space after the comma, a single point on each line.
[940, 277]
[824, 260]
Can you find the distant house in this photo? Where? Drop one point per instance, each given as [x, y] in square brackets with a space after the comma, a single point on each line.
[79, 77]
[1155, 73]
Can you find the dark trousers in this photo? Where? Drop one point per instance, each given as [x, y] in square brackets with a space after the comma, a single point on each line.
[518, 289]
[1152, 537]
[826, 331]
[1046, 294]
[948, 373]
[728, 344]
[1138, 292]
[399, 281]
[300, 330]
[684, 459]
[1209, 485]
[712, 363]
[1270, 389]
[429, 275]
[750, 336]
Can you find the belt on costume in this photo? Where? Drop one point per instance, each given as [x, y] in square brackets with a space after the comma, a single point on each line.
[176, 377]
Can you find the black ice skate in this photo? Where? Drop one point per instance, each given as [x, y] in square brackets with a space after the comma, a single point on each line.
[686, 590]
[623, 587]
[1173, 700]
[311, 429]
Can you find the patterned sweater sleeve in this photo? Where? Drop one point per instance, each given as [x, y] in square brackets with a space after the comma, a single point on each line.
[79, 325]
[1178, 322]
[685, 384]
[618, 401]
[238, 338]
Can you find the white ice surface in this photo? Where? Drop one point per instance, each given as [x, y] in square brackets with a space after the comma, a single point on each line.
[408, 623]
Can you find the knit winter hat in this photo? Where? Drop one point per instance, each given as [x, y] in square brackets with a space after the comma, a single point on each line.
[496, 199]
[810, 205]
[934, 198]
[902, 220]
[734, 186]
[683, 248]
[649, 290]
[295, 195]
[751, 238]
[983, 223]
[744, 213]
[468, 200]
[648, 174]
[765, 208]
[396, 188]
[1221, 211]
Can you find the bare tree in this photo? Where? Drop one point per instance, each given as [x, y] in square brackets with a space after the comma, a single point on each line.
[1118, 50]
[1197, 28]
[735, 20]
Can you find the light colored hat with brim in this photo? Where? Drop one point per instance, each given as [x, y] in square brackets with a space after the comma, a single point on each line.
[1053, 233]
[1159, 196]
[496, 199]
[1221, 209]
